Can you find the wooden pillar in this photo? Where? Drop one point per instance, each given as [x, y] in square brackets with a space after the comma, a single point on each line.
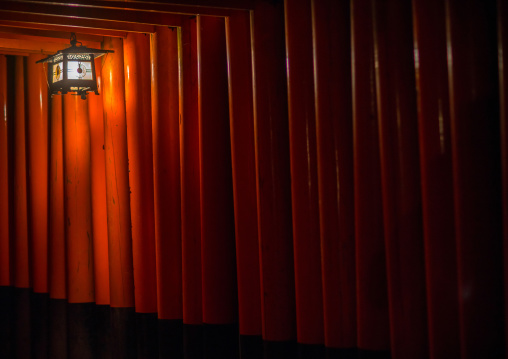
[99, 210]
[474, 95]
[190, 191]
[241, 122]
[332, 66]
[77, 201]
[21, 264]
[372, 301]
[166, 171]
[139, 144]
[121, 279]
[57, 256]
[217, 218]
[272, 173]
[5, 260]
[117, 178]
[400, 177]
[436, 178]
[37, 166]
[304, 188]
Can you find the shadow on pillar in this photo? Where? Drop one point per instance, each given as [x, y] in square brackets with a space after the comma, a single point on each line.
[333, 353]
[251, 347]
[282, 349]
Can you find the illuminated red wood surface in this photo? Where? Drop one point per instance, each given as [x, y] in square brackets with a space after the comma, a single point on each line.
[190, 191]
[304, 187]
[241, 122]
[372, 301]
[166, 171]
[56, 241]
[37, 165]
[121, 279]
[436, 178]
[5, 277]
[400, 176]
[20, 212]
[217, 214]
[139, 144]
[502, 50]
[77, 201]
[99, 210]
[272, 172]
[474, 94]
[332, 66]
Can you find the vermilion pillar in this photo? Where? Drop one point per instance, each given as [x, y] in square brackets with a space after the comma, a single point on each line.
[304, 188]
[241, 122]
[217, 217]
[474, 94]
[400, 177]
[117, 178]
[56, 240]
[21, 264]
[436, 178]
[5, 260]
[272, 172]
[98, 186]
[77, 201]
[372, 301]
[332, 71]
[139, 139]
[37, 165]
[190, 191]
[166, 171]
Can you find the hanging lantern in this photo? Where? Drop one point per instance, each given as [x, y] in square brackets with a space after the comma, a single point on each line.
[73, 69]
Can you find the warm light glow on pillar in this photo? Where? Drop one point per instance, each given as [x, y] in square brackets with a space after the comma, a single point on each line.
[78, 206]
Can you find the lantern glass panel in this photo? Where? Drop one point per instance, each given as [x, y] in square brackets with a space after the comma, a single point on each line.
[57, 72]
[79, 70]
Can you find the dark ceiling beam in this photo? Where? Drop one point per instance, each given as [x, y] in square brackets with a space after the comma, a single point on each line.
[80, 31]
[106, 14]
[75, 22]
[201, 7]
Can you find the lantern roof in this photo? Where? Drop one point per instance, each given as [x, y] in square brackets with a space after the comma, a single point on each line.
[73, 49]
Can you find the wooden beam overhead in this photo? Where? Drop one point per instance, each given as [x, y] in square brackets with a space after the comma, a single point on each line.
[81, 32]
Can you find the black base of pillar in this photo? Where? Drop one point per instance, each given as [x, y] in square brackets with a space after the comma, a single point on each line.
[171, 339]
[57, 346]
[251, 347]
[221, 341]
[193, 341]
[334, 353]
[147, 335]
[81, 333]
[308, 351]
[276, 350]
[123, 333]
[6, 322]
[22, 323]
[372, 354]
[39, 306]
[103, 330]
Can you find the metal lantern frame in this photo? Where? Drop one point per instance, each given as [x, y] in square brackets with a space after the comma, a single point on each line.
[73, 69]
